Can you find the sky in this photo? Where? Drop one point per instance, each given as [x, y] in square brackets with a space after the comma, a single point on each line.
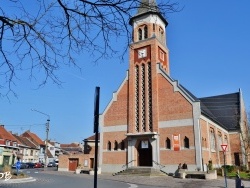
[209, 44]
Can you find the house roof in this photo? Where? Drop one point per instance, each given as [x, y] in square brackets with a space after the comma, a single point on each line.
[33, 137]
[224, 109]
[92, 137]
[4, 134]
[24, 141]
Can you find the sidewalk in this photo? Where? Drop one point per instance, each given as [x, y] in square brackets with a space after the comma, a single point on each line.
[21, 180]
[161, 181]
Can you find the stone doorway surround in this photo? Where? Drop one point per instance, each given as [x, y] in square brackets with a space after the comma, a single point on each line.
[134, 139]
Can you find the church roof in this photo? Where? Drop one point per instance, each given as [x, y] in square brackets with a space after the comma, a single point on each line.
[147, 6]
[224, 109]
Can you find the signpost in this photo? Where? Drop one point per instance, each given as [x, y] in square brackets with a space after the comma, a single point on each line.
[18, 166]
[96, 131]
[224, 148]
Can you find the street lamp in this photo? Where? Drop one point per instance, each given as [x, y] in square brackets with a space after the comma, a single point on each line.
[47, 134]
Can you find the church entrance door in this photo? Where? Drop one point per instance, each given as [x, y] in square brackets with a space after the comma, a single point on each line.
[144, 153]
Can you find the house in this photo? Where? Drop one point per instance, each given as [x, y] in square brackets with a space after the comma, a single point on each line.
[8, 147]
[38, 142]
[28, 151]
[154, 121]
[74, 158]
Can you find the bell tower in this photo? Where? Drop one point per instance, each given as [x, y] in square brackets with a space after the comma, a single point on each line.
[148, 49]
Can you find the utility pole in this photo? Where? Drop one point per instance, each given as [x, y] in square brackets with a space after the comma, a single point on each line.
[47, 135]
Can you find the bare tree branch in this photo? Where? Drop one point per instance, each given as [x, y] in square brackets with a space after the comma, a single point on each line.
[50, 33]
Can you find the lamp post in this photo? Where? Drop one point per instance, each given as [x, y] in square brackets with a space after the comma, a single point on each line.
[47, 134]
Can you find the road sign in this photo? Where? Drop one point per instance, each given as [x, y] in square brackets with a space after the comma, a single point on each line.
[18, 165]
[224, 147]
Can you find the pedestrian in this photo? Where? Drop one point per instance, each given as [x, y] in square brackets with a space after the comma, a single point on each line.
[184, 166]
[179, 166]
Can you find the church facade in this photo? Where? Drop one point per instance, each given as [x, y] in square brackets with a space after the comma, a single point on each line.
[152, 120]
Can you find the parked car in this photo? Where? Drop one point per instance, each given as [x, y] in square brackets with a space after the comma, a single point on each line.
[23, 165]
[38, 165]
[30, 165]
[51, 164]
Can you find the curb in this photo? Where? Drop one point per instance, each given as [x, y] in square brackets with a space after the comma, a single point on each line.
[21, 180]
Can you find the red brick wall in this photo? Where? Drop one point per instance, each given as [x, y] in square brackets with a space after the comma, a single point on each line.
[118, 112]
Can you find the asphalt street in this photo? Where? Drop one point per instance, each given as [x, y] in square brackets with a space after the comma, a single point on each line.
[54, 179]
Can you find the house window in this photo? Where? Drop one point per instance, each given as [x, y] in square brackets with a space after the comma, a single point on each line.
[168, 143]
[31, 152]
[122, 145]
[116, 145]
[14, 144]
[109, 146]
[7, 143]
[186, 142]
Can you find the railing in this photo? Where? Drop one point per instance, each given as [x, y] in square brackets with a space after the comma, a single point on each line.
[158, 164]
[126, 165]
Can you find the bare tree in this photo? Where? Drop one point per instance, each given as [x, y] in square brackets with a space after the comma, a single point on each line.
[43, 35]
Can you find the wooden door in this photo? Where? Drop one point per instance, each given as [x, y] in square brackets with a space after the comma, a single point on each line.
[92, 162]
[73, 164]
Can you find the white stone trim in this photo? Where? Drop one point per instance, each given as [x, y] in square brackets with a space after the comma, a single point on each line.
[176, 123]
[115, 128]
[212, 123]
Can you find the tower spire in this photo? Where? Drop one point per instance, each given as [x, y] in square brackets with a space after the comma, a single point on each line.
[147, 6]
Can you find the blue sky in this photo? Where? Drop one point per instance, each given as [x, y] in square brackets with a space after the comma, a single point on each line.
[209, 44]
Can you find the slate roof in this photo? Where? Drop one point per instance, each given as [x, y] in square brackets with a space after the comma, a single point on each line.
[147, 5]
[224, 109]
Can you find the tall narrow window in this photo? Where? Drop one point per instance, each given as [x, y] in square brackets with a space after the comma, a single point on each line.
[145, 32]
[116, 145]
[140, 34]
[122, 145]
[186, 142]
[168, 143]
[220, 141]
[109, 146]
[153, 27]
[212, 139]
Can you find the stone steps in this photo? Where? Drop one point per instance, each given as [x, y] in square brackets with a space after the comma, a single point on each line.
[141, 171]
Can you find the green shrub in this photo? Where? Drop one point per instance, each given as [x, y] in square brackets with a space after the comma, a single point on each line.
[229, 168]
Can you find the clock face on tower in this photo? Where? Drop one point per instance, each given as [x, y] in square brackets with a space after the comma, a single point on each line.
[142, 53]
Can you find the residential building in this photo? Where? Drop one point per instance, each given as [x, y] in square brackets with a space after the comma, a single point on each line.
[28, 151]
[8, 147]
[74, 158]
[38, 142]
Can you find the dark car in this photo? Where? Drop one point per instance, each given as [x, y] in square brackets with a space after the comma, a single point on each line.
[22, 165]
[30, 165]
[51, 164]
[38, 165]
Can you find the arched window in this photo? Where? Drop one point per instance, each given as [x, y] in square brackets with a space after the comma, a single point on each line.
[116, 145]
[186, 142]
[168, 143]
[140, 34]
[212, 139]
[220, 141]
[122, 144]
[145, 32]
[109, 146]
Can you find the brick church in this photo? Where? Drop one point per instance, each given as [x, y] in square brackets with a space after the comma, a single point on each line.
[154, 121]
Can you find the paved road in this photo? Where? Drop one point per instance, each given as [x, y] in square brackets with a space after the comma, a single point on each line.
[54, 179]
